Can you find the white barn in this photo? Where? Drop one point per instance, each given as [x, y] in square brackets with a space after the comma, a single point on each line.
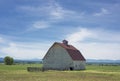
[62, 56]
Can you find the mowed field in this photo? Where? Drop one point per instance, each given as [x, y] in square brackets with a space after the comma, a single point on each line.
[92, 73]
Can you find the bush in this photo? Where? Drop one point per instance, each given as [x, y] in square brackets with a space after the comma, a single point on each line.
[8, 60]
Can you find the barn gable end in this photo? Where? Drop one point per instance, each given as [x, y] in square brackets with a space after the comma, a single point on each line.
[57, 58]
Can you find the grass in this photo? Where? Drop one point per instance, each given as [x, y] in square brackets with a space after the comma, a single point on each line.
[92, 73]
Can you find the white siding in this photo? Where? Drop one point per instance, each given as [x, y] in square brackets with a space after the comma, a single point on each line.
[79, 65]
[57, 58]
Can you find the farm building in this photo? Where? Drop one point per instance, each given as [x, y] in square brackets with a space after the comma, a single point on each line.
[62, 56]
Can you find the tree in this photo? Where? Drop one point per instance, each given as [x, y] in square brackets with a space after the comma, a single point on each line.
[8, 60]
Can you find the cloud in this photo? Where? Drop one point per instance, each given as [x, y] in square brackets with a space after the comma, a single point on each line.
[97, 50]
[1, 40]
[25, 50]
[78, 38]
[40, 25]
[96, 43]
[31, 10]
[58, 12]
[50, 15]
[52, 10]
[102, 12]
[79, 35]
[107, 36]
[100, 35]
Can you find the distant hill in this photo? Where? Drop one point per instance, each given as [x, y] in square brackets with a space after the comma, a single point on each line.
[1, 60]
[102, 61]
[28, 61]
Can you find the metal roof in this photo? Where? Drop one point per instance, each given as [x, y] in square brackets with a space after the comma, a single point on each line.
[74, 53]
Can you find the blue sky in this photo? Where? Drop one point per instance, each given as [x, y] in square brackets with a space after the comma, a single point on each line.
[29, 27]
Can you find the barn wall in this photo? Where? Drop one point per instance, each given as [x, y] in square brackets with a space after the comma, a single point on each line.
[79, 65]
[57, 58]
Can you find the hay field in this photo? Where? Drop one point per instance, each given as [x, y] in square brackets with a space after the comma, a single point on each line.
[92, 73]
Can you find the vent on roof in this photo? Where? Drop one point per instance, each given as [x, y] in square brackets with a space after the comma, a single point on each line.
[65, 42]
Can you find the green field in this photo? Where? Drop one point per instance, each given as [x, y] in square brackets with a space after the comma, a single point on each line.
[92, 73]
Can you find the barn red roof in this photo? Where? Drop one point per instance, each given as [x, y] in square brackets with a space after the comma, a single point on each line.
[72, 51]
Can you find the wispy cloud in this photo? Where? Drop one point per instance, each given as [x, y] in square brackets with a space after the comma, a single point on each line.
[1, 40]
[102, 12]
[40, 25]
[33, 10]
[51, 11]
[58, 12]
